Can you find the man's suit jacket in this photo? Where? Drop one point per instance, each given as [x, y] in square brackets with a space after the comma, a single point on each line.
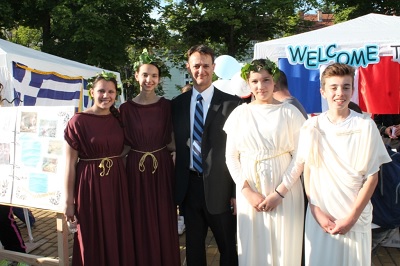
[219, 187]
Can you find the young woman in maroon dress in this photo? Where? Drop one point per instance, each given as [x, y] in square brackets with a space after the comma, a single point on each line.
[148, 132]
[96, 182]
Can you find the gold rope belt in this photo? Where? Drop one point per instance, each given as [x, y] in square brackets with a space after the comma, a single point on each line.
[145, 154]
[105, 162]
[258, 182]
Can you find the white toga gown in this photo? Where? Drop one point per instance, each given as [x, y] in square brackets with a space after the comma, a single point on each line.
[261, 140]
[341, 157]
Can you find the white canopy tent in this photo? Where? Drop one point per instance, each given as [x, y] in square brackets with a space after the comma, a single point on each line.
[372, 28]
[43, 62]
[370, 43]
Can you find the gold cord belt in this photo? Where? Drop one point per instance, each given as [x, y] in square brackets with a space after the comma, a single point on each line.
[145, 154]
[258, 182]
[105, 162]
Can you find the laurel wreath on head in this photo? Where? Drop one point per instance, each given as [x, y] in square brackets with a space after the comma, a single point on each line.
[147, 58]
[106, 76]
[257, 65]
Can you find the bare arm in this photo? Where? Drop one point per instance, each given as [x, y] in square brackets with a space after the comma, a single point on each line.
[274, 199]
[324, 220]
[254, 198]
[172, 147]
[70, 175]
[124, 153]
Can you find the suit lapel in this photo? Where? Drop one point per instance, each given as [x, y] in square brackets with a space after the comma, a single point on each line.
[186, 113]
[214, 107]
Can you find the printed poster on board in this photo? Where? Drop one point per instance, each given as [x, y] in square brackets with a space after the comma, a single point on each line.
[7, 139]
[39, 156]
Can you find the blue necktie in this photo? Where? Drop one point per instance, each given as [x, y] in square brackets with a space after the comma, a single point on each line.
[198, 134]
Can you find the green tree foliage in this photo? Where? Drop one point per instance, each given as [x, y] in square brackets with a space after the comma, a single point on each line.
[349, 9]
[26, 36]
[229, 26]
[6, 17]
[95, 32]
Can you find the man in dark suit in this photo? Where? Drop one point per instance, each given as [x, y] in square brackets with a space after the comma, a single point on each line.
[207, 196]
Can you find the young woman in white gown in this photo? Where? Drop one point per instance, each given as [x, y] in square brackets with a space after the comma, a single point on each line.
[262, 138]
[342, 151]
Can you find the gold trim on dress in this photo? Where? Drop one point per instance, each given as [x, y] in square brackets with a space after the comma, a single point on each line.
[258, 182]
[145, 154]
[105, 162]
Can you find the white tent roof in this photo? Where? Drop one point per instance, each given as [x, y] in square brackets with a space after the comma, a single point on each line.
[10, 52]
[369, 29]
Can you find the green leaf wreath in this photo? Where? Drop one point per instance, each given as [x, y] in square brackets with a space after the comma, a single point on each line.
[107, 76]
[146, 58]
[259, 64]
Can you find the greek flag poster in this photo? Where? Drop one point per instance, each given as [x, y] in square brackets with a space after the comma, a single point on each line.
[37, 88]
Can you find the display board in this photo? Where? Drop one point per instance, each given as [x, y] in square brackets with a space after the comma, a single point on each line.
[32, 155]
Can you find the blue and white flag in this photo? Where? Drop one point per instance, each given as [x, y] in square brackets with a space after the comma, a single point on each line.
[38, 88]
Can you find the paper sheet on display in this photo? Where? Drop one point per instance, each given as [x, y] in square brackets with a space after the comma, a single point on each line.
[36, 165]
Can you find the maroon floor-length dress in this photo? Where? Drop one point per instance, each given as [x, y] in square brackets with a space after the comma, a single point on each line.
[148, 129]
[104, 234]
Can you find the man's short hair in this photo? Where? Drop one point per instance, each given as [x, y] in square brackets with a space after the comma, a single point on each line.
[202, 49]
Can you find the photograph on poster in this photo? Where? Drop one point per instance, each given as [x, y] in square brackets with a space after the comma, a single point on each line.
[49, 165]
[28, 122]
[47, 128]
[55, 147]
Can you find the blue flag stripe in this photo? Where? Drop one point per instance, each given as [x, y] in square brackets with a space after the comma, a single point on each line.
[35, 87]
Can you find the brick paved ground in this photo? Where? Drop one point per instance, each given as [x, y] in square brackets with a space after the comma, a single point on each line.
[45, 230]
